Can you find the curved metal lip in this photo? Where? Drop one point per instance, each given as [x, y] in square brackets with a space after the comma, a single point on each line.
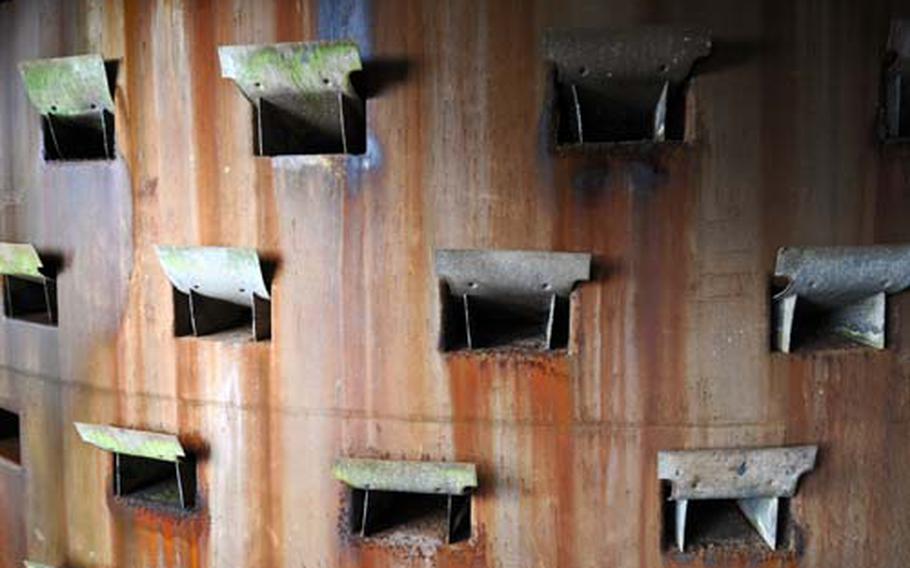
[231, 274]
[837, 275]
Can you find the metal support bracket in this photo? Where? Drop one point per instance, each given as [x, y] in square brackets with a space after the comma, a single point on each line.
[218, 288]
[374, 478]
[27, 291]
[843, 287]
[304, 100]
[511, 297]
[73, 96]
[896, 84]
[755, 478]
[613, 86]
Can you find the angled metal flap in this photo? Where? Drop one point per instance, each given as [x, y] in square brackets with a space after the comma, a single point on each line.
[225, 273]
[597, 57]
[264, 71]
[132, 442]
[834, 275]
[504, 272]
[735, 473]
[21, 261]
[67, 86]
[450, 478]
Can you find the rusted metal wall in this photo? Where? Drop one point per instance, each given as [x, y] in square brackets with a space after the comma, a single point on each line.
[670, 343]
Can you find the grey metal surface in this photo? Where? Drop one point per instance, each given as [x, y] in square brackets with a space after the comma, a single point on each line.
[452, 478]
[230, 274]
[849, 282]
[735, 473]
[140, 443]
[659, 53]
[491, 273]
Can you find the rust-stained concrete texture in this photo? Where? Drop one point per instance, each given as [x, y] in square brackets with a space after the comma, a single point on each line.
[670, 346]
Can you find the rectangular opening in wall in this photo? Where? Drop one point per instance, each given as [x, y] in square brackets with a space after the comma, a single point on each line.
[405, 500]
[10, 443]
[29, 283]
[156, 482]
[720, 523]
[150, 468]
[74, 96]
[730, 498]
[218, 292]
[622, 86]
[304, 101]
[379, 514]
[835, 297]
[507, 299]
[896, 84]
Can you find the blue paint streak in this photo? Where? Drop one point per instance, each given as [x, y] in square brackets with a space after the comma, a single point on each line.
[346, 19]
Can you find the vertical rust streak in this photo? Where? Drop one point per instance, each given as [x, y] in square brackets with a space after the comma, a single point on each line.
[202, 16]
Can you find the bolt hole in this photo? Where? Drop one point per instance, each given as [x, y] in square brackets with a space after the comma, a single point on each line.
[242, 290]
[195, 286]
[257, 84]
[812, 283]
[886, 283]
[663, 68]
[53, 108]
[583, 71]
[472, 285]
[94, 106]
[325, 81]
[545, 286]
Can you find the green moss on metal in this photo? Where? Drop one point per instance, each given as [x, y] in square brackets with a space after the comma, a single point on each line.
[67, 86]
[301, 67]
[411, 476]
[20, 260]
[132, 442]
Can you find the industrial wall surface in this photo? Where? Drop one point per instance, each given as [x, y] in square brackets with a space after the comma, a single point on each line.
[670, 344]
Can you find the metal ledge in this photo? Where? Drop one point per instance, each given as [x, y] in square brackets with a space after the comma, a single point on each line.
[616, 81]
[448, 478]
[848, 282]
[512, 273]
[22, 261]
[755, 478]
[73, 96]
[302, 93]
[230, 275]
[152, 445]
[68, 86]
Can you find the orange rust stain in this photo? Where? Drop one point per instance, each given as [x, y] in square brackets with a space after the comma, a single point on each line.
[205, 75]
